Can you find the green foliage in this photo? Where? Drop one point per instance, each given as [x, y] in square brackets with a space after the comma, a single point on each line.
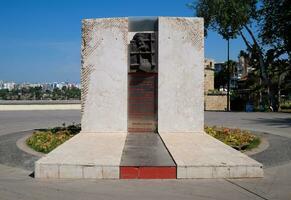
[286, 105]
[269, 53]
[275, 16]
[3, 94]
[227, 17]
[236, 138]
[45, 140]
[37, 93]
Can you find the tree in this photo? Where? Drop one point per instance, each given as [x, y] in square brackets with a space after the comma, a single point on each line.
[3, 94]
[275, 18]
[227, 17]
[237, 16]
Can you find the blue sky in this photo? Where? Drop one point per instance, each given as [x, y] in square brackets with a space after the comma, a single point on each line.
[40, 39]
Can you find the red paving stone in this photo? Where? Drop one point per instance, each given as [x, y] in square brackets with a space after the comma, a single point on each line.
[148, 172]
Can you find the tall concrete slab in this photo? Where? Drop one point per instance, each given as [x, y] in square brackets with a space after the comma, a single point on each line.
[104, 75]
[181, 75]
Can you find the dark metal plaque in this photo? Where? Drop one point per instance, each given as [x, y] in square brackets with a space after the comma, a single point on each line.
[142, 102]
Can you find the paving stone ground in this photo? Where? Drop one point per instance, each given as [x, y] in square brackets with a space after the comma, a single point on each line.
[15, 165]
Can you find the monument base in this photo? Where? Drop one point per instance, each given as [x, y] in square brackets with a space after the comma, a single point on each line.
[199, 155]
[108, 156]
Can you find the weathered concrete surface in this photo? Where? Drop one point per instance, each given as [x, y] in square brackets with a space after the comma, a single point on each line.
[181, 74]
[86, 155]
[199, 155]
[104, 75]
[145, 150]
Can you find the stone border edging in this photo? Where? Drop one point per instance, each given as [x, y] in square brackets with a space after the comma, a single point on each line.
[21, 144]
[262, 147]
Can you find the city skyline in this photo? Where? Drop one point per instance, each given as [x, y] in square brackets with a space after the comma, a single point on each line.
[40, 40]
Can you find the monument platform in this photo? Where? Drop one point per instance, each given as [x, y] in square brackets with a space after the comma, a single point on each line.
[146, 156]
[199, 155]
[86, 155]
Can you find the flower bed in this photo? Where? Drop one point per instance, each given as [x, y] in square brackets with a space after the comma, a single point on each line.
[46, 140]
[236, 138]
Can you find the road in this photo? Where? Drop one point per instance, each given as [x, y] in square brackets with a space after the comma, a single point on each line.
[17, 121]
[275, 123]
[15, 182]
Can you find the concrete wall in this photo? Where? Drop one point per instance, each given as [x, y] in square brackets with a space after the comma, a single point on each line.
[215, 102]
[104, 75]
[41, 107]
[181, 74]
[7, 105]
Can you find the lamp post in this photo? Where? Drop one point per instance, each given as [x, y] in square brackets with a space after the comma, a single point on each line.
[228, 77]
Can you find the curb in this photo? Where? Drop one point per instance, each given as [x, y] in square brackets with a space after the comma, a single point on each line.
[21, 144]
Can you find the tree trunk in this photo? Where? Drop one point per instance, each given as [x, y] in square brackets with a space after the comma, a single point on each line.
[263, 73]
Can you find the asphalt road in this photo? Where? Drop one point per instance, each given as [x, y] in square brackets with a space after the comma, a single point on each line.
[15, 182]
[275, 123]
[17, 121]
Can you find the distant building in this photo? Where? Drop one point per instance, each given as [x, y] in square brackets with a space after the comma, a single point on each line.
[9, 85]
[213, 99]
[1, 84]
[208, 75]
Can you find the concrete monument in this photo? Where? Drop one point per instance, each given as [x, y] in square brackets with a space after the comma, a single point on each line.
[142, 106]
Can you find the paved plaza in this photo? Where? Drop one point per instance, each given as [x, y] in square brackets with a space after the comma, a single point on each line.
[16, 166]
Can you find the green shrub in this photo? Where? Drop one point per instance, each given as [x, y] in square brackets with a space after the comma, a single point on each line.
[74, 129]
[286, 105]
